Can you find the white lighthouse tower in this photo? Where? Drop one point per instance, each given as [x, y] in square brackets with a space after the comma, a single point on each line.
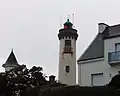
[67, 54]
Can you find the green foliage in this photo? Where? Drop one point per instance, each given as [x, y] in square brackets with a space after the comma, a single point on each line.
[20, 79]
[3, 82]
[115, 82]
[32, 82]
[32, 92]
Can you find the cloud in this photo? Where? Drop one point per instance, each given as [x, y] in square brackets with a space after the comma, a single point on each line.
[31, 27]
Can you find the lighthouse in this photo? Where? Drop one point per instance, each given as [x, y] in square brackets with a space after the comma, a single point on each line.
[67, 54]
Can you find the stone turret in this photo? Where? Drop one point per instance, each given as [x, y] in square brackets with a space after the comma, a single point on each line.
[11, 62]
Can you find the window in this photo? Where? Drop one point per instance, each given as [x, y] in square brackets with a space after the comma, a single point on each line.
[117, 47]
[116, 56]
[67, 43]
[67, 69]
[97, 79]
[67, 48]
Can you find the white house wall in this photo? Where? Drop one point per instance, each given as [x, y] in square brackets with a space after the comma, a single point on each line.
[109, 46]
[8, 68]
[89, 68]
[86, 68]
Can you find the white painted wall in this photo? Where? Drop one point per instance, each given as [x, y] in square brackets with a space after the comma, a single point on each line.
[109, 46]
[92, 67]
[8, 68]
[67, 59]
[86, 68]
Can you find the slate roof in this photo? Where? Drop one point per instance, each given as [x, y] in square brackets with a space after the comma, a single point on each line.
[11, 60]
[96, 48]
[112, 31]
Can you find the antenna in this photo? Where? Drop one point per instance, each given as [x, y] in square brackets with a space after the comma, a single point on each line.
[12, 50]
[68, 17]
[60, 21]
[73, 19]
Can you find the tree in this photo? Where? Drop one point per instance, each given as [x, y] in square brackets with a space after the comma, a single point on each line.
[115, 82]
[20, 79]
[3, 82]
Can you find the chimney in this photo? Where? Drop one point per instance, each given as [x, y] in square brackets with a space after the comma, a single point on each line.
[102, 27]
[52, 78]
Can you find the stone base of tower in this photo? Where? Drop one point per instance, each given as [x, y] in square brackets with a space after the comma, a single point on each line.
[67, 69]
[67, 82]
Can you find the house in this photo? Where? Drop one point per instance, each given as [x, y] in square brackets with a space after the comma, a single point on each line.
[101, 60]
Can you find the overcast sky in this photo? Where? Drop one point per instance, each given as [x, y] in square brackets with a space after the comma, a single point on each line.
[30, 27]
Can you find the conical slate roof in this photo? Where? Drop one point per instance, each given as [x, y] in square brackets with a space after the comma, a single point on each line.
[11, 61]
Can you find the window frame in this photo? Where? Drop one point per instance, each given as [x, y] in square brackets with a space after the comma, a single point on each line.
[67, 68]
[67, 43]
[93, 74]
[67, 46]
[116, 46]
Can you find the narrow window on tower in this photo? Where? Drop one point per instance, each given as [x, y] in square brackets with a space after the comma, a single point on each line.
[67, 69]
[68, 43]
[67, 48]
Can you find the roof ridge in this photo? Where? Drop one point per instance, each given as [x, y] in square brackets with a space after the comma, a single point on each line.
[115, 25]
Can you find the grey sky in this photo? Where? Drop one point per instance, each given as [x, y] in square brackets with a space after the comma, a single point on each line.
[31, 27]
